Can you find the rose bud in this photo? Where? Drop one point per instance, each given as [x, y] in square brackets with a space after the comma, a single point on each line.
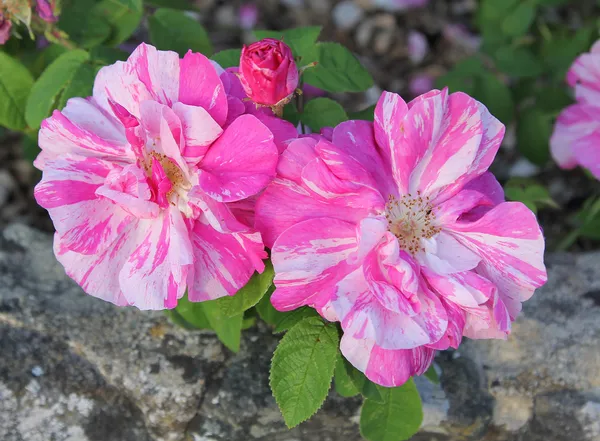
[45, 10]
[268, 72]
[5, 26]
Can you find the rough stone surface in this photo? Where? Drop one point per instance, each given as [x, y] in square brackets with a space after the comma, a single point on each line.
[74, 368]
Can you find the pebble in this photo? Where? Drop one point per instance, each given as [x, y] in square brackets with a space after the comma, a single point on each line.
[347, 15]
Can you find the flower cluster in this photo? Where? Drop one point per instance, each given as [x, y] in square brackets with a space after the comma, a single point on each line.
[576, 137]
[171, 178]
[20, 11]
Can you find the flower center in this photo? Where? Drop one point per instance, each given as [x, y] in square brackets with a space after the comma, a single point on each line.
[169, 183]
[411, 219]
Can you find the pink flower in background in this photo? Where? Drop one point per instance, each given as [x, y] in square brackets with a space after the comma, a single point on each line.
[147, 182]
[268, 72]
[5, 26]
[576, 137]
[396, 230]
[45, 10]
[248, 16]
[399, 5]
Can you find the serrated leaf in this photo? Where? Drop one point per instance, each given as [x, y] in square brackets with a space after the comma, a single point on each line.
[533, 135]
[302, 369]
[366, 387]
[249, 295]
[337, 70]
[289, 319]
[518, 21]
[323, 112]
[300, 40]
[123, 17]
[173, 30]
[47, 90]
[15, 84]
[344, 385]
[228, 58]
[398, 418]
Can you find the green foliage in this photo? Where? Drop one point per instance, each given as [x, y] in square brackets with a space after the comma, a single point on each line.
[586, 223]
[173, 30]
[228, 58]
[533, 134]
[496, 95]
[48, 90]
[337, 70]
[123, 17]
[84, 24]
[266, 311]
[300, 40]
[249, 295]
[344, 385]
[323, 112]
[518, 21]
[432, 375]
[289, 319]
[365, 387]
[15, 84]
[530, 193]
[367, 114]
[397, 418]
[183, 5]
[302, 369]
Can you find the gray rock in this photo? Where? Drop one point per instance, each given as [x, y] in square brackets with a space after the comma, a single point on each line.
[74, 368]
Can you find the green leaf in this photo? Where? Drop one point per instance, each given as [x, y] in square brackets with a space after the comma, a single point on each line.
[533, 135]
[518, 21]
[323, 112]
[337, 70]
[173, 30]
[302, 369]
[559, 52]
[249, 295]
[432, 375]
[344, 385]
[300, 40]
[290, 113]
[289, 319]
[228, 329]
[367, 114]
[520, 62]
[366, 387]
[107, 55]
[123, 16]
[183, 5]
[492, 10]
[192, 313]
[178, 320]
[266, 311]
[15, 83]
[496, 96]
[47, 91]
[552, 99]
[37, 61]
[80, 19]
[462, 76]
[398, 418]
[529, 192]
[30, 146]
[228, 58]
[81, 84]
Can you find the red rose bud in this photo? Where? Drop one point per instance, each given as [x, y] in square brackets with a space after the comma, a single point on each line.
[45, 10]
[5, 26]
[268, 72]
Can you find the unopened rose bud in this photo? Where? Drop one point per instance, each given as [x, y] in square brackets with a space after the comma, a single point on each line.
[45, 11]
[268, 72]
[5, 26]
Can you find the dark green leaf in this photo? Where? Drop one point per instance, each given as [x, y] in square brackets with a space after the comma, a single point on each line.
[48, 89]
[518, 21]
[183, 5]
[367, 114]
[30, 147]
[123, 16]
[83, 23]
[496, 96]
[302, 369]
[266, 311]
[249, 295]
[290, 113]
[518, 62]
[552, 99]
[533, 134]
[228, 58]
[493, 10]
[338, 70]
[37, 61]
[366, 387]
[559, 52]
[344, 385]
[323, 112]
[192, 313]
[15, 85]
[81, 84]
[107, 55]
[432, 375]
[289, 319]
[173, 30]
[300, 40]
[398, 418]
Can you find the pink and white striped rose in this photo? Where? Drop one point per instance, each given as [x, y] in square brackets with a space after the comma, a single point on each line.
[576, 137]
[396, 230]
[148, 182]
